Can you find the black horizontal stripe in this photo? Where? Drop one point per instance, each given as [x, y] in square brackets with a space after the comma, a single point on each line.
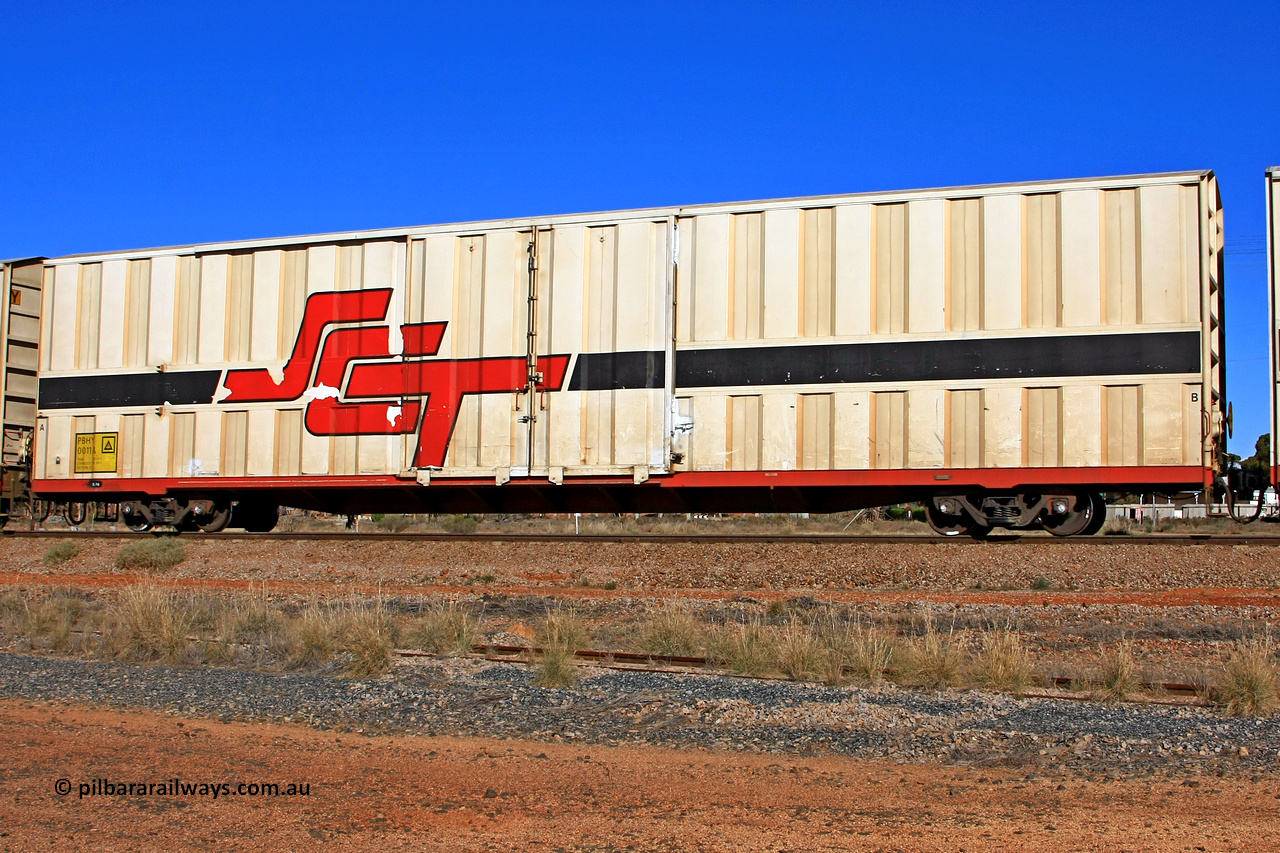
[179, 388]
[613, 371]
[1039, 357]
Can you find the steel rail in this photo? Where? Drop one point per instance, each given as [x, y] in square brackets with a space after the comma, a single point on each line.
[687, 663]
[671, 538]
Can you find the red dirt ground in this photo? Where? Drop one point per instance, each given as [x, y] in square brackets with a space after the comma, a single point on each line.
[1211, 596]
[455, 794]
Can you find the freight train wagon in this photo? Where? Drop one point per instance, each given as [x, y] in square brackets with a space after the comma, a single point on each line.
[1004, 353]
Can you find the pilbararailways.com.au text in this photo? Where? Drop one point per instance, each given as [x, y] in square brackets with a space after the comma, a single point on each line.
[180, 788]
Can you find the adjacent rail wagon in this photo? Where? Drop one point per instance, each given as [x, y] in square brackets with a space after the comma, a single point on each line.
[1004, 354]
[1273, 275]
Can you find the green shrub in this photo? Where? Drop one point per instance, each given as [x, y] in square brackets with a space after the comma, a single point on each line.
[60, 552]
[460, 524]
[392, 523]
[150, 555]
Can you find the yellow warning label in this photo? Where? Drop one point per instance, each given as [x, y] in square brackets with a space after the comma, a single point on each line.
[96, 452]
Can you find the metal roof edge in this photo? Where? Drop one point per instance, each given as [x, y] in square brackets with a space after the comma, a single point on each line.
[406, 232]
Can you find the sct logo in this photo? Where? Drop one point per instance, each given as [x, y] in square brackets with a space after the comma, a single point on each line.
[426, 391]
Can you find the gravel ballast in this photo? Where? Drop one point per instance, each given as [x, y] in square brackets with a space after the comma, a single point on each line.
[723, 713]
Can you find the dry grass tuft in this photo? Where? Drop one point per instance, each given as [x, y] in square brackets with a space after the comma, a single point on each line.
[745, 649]
[312, 639]
[556, 669]
[673, 631]
[1248, 682]
[853, 650]
[13, 612]
[150, 555]
[872, 656]
[1118, 679]
[934, 659]
[444, 629]
[1003, 664]
[54, 618]
[560, 634]
[148, 624]
[799, 654]
[561, 629]
[368, 636]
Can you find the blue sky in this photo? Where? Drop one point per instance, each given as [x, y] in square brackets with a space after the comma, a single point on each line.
[135, 124]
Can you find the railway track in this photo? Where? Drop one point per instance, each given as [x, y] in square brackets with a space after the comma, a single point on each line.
[1166, 539]
[1180, 692]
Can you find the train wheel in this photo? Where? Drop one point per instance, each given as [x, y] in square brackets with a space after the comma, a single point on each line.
[137, 524]
[979, 531]
[1075, 520]
[216, 520]
[949, 524]
[1099, 514]
[77, 513]
[134, 518]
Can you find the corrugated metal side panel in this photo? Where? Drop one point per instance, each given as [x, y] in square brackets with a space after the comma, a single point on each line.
[137, 312]
[964, 429]
[288, 449]
[1084, 260]
[964, 270]
[601, 289]
[1042, 427]
[217, 311]
[489, 304]
[186, 312]
[1090, 259]
[182, 445]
